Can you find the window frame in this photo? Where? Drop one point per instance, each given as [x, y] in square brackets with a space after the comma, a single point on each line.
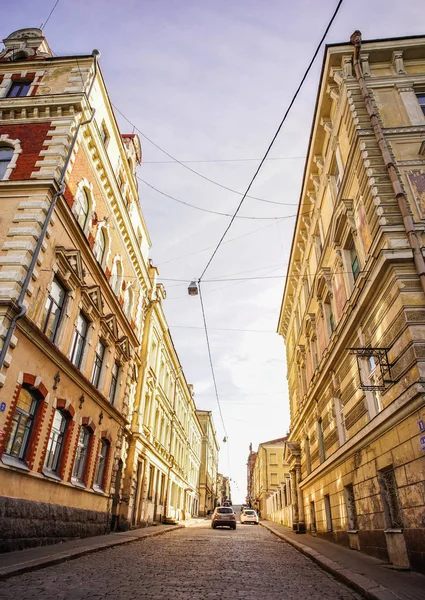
[56, 461]
[101, 463]
[421, 96]
[76, 337]
[114, 382]
[80, 459]
[6, 162]
[100, 257]
[28, 427]
[99, 358]
[19, 84]
[61, 307]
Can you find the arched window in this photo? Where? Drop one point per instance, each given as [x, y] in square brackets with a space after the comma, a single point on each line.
[82, 208]
[56, 440]
[81, 455]
[100, 247]
[22, 423]
[101, 463]
[6, 153]
[116, 277]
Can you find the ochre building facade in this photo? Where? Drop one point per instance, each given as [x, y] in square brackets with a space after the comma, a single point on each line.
[353, 311]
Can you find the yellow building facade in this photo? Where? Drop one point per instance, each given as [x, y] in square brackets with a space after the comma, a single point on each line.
[269, 472]
[98, 427]
[353, 311]
[208, 488]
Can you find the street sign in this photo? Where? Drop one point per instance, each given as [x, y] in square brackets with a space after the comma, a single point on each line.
[2, 406]
[421, 425]
[422, 440]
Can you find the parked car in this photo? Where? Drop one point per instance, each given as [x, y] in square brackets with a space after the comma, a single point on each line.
[249, 516]
[224, 516]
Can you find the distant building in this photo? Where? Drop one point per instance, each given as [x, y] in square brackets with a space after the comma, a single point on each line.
[270, 470]
[209, 495]
[223, 489]
[250, 476]
[353, 311]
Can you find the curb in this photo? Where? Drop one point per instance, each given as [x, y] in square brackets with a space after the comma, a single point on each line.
[365, 586]
[49, 561]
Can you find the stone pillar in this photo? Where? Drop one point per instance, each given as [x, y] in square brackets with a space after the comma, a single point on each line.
[301, 517]
[294, 499]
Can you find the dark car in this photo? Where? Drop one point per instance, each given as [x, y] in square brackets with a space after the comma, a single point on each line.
[224, 516]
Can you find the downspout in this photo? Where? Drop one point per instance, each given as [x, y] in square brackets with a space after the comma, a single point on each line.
[28, 277]
[409, 225]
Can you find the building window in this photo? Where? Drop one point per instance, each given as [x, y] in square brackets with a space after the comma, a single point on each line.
[389, 494]
[6, 154]
[53, 309]
[79, 340]
[101, 463]
[340, 420]
[321, 441]
[273, 458]
[307, 455]
[351, 507]
[151, 479]
[98, 362]
[312, 518]
[114, 382]
[421, 100]
[81, 455]
[18, 89]
[328, 513]
[22, 422]
[82, 208]
[100, 247]
[128, 302]
[54, 446]
[355, 265]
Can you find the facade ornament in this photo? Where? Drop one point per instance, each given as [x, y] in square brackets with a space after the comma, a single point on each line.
[81, 401]
[333, 92]
[301, 247]
[349, 213]
[336, 74]
[327, 125]
[56, 379]
[319, 162]
[398, 63]
[327, 276]
[312, 319]
[306, 220]
[100, 417]
[303, 234]
[347, 66]
[316, 181]
[365, 64]
[321, 308]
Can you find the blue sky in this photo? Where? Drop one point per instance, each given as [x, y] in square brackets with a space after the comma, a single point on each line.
[211, 80]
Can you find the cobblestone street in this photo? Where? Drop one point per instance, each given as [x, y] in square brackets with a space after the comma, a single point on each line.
[195, 563]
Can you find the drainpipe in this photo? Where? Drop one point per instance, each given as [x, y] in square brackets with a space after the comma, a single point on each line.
[409, 225]
[62, 186]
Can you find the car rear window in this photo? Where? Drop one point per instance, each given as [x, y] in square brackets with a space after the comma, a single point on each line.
[251, 513]
[225, 511]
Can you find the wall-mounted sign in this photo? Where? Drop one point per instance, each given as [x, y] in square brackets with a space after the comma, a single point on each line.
[421, 425]
[2, 406]
[422, 440]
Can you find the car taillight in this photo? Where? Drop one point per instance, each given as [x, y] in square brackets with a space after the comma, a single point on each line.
[234, 517]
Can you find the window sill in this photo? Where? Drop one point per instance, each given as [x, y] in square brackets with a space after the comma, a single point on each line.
[11, 461]
[50, 474]
[353, 531]
[78, 484]
[98, 490]
[393, 530]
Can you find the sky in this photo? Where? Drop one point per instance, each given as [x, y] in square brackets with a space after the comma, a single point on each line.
[209, 81]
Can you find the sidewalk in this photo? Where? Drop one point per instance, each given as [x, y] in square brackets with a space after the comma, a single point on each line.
[366, 574]
[15, 563]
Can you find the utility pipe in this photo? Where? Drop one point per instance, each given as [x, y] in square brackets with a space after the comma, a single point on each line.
[62, 186]
[409, 225]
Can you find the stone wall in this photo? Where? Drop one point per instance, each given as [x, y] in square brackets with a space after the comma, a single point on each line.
[24, 523]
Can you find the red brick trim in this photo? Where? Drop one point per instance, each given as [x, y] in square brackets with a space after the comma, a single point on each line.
[28, 379]
[88, 422]
[91, 240]
[105, 435]
[36, 433]
[66, 406]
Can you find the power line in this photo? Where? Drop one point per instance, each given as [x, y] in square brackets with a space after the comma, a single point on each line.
[211, 361]
[50, 14]
[220, 160]
[260, 277]
[274, 138]
[225, 329]
[214, 212]
[174, 159]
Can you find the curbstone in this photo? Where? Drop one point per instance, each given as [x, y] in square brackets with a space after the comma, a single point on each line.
[367, 587]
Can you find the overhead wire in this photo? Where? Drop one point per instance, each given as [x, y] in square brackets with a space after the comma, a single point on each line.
[248, 189]
[43, 25]
[220, 160]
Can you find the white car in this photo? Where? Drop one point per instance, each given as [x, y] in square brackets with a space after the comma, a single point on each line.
[249, 516]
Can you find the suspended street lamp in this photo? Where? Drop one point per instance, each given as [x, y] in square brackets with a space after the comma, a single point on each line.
[192, 290]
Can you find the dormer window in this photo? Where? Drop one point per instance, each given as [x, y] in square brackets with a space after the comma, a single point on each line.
[19, 89]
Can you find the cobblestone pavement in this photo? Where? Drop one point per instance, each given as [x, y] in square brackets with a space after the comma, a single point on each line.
[195, 563]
